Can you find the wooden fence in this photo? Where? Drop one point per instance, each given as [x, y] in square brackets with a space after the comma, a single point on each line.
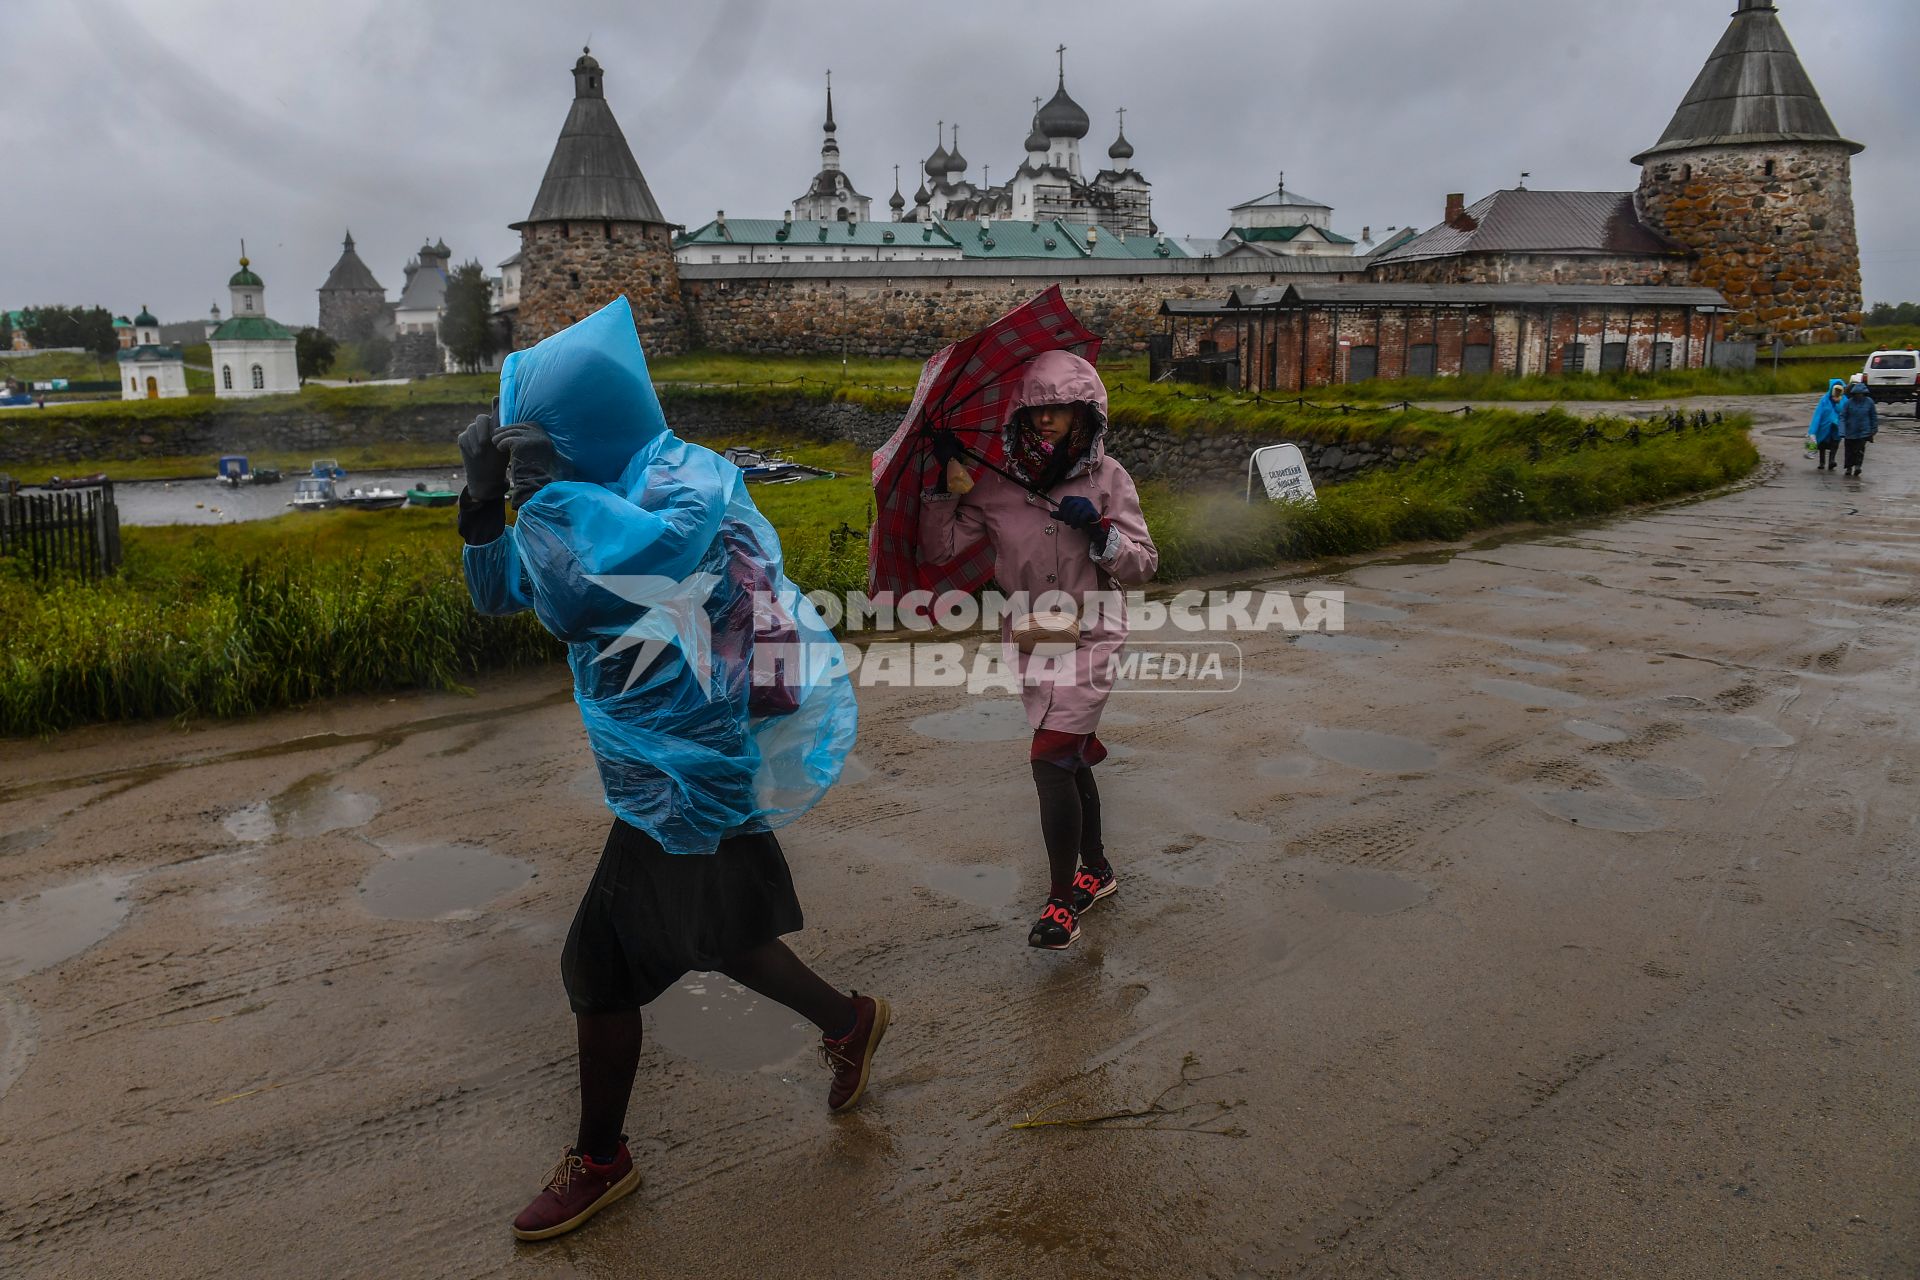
[69, 531]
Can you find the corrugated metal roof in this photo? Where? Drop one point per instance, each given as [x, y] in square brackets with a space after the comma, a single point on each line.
[1254, 234]
[1752, 89]
[1388, 293]
[1279, 198]
[592, 174]
[1041, 269]
[814, 233]
[251, 329]
[1523, 221]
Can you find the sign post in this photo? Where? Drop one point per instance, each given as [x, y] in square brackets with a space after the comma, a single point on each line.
[1283, 470]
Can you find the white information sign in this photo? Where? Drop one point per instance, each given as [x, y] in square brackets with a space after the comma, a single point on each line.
[1283, 470]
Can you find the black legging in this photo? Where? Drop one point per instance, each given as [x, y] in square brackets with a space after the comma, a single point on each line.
[1856, 452]
[610, 1042]
[1069, 821]
[1826, 455]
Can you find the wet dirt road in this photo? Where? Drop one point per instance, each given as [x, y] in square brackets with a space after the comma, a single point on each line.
[1560, 922]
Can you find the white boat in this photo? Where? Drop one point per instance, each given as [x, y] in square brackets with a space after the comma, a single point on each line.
[375, 498]
[314, 493]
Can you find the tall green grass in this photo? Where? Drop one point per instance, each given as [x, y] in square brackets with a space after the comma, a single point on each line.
[235, 619]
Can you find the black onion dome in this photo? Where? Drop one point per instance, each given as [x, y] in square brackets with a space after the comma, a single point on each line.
[1036, 140]
[1062, 117]
[1121, 148]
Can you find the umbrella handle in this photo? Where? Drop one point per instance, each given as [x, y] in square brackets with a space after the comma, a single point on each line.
[1038, 493]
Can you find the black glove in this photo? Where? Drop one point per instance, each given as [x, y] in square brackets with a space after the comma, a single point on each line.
[532, 462]
[486, 465]
[946, 447]
[1080, 513]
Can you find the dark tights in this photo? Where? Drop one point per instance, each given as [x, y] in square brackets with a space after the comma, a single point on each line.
[1069, 821]
[610, 1042]
[1826, 456]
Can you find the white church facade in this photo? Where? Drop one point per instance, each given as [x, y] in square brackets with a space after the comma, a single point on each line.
[253, 355]
[149, 369]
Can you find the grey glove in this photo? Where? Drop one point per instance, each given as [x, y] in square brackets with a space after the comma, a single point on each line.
[486, 464]
[532, 462]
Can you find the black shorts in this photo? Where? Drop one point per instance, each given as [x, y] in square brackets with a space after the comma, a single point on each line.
[650, 916]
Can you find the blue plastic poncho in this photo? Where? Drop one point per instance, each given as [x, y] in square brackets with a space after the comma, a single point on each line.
[1825, 428]
[708, 716]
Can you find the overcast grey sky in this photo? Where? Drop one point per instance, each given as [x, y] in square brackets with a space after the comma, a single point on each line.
[142, 142]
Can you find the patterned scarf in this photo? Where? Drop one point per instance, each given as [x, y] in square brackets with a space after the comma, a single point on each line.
[1038, 461]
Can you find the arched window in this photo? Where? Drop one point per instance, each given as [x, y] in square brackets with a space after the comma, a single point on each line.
[1686, 173]
[1769, 168]
[259, 378]
[132, 385]
[249, 298]
[226, 377]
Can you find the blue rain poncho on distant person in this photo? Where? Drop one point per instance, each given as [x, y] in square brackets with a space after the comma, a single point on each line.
[647, 562]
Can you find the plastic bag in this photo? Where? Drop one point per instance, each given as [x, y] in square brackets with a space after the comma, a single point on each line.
[714, 696]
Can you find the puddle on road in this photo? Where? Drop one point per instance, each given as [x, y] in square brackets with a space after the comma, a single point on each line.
[1532, 695]
[1286, 767]
[980, 883]
[24, 839]
[1598, 809]
[1552, 648]
[1594, 731]
[1525, 667]
[1745, 731]
[433, 882]
[45, 928]
[711, 1019]
[1361, 611]
[1837, 624]
[987, 720]
[1224, 826]
[1366, 892]
[1364, 749]
[1413, 597]
[1658, 781]
[1531, 593]
[1201, 867]
[1339, 642]
[305, 809]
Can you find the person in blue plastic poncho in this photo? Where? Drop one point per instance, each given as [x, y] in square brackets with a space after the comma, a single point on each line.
[1859, 423]
[713, 696]
[1823, 433]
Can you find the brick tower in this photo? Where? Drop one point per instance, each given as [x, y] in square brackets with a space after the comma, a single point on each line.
[595, 233]
[1753, 176]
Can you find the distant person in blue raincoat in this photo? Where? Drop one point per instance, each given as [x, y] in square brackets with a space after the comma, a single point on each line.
[1859, 423]
[712, 696]
[1824, 434]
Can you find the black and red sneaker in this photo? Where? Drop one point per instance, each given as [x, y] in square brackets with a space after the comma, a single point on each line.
[1057, 926]
[1091, 885]
[850, 1058]
[577, 1189]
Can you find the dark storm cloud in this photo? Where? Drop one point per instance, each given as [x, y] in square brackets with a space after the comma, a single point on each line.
[154, 138]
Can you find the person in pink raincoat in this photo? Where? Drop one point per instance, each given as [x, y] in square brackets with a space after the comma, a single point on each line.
[1086, 535]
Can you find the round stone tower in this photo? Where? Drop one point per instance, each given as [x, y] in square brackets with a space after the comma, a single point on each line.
[595, 233]
[1752, 175]
[352, 303]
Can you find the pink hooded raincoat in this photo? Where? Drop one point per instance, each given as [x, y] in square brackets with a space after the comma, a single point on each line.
[1034, 553]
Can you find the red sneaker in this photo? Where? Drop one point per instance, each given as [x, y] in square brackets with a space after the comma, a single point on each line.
[577, 1189]
[850, 1058]
[1091, 885]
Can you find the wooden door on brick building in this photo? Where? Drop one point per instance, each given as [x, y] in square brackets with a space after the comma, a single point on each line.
[1422, 358]
[1613, 357]
[1362, 363]
[1476, 357]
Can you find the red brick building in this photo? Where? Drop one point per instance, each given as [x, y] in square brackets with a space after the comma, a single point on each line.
[1292, 337]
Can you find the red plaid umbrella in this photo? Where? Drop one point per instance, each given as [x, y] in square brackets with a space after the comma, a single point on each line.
[965, 388]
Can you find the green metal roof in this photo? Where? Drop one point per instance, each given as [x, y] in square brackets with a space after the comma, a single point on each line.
[147, 318]
[251, 329]
[1287, 233]
[1052, 239]
[245, 277]
[121, 322]
[814, 233]
[150, 352]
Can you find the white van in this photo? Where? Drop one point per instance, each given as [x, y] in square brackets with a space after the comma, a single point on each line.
[1893, 376]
